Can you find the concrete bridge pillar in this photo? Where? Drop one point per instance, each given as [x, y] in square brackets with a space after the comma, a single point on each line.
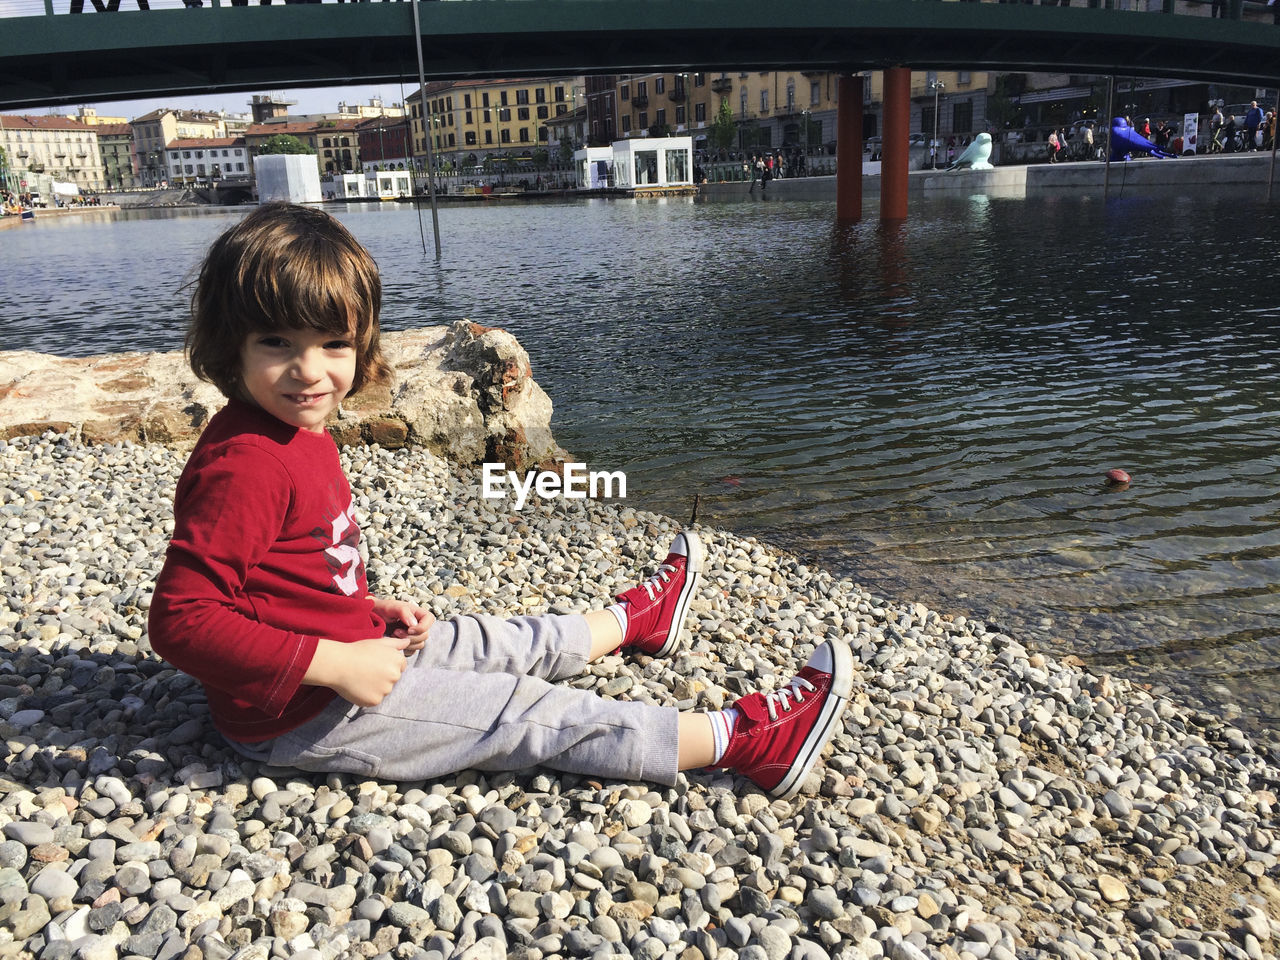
[895, 151]
[849, 149]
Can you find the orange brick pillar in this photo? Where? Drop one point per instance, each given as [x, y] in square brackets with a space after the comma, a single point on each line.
[895, 152]
[849, 149]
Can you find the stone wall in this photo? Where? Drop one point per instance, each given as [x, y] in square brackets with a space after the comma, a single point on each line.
[465, 392]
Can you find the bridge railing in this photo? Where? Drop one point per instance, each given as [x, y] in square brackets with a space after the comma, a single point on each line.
[1234, 9]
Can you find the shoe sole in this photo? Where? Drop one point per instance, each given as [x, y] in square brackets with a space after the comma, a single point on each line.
[837, 699]
[693, 573]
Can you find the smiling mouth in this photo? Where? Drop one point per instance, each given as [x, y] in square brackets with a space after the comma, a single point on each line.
[304, 399]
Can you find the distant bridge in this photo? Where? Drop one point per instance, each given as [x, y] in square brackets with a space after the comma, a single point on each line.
[50, 55]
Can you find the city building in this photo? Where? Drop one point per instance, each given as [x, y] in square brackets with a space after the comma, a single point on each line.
[475, 119]
[52, 150]
[334, 142]
[115, 145]
[602, 109]
[208, 159]
[152, 132]
[90, 117]
[384, 143]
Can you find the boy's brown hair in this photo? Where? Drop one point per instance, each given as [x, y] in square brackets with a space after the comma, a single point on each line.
[282, 267]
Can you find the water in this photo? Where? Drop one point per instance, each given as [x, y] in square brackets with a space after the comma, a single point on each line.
[930, 409]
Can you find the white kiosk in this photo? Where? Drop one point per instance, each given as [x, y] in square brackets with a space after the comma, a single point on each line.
[653, 162]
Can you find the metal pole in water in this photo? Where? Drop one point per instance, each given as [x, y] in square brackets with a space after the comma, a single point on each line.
[426, 126]
[1106, 170]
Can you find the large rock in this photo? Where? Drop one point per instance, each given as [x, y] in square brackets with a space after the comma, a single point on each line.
[466, 392]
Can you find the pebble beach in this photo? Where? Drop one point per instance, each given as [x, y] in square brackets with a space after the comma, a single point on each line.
[981, 799]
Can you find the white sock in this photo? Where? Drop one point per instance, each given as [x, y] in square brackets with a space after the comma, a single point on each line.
[619, 610]
[722, 724]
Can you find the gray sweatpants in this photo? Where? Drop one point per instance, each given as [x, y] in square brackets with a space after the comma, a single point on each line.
[478, 696]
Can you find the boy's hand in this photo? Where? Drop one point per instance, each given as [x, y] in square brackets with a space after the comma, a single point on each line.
[405, 620]
[363, 672]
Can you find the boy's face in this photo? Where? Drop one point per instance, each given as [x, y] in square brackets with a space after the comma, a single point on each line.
[298, 376]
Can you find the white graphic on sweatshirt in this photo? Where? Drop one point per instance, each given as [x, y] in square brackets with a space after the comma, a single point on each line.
[343, 557]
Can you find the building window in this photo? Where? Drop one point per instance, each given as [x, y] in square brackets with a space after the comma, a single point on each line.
[522, 96]
[743, 109]
[543, 112]
[624, 92]
[815, 93]
[764, 101]
[561, 109]
[642, 88]
[504, 114]
[700, 112]
[659, 85]
[660, 118]
[559, 93]
[502, 98]
[186, 154]
[506, 136]
[962, 117]
[643, 120]
[471, 138]
[484, 99]
[524, 134]
[962, 78]
[488, 136]
[540, 95]
[522, 113]
[791, 95]
[699, 79]
[542, 134]
[679, 115]
[626, 124]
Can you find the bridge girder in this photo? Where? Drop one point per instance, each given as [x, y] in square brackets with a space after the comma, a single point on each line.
[65, 59]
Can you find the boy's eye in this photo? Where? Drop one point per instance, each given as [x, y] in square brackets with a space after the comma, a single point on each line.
[338, 345]
[273, 341]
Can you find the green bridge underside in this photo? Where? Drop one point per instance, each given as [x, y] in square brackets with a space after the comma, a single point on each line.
[64, 59]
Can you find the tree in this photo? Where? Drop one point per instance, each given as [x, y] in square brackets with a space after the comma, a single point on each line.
[724, 129]
[283, 143]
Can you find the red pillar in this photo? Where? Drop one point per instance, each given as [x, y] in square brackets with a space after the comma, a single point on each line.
[895, 151]
[849, 149]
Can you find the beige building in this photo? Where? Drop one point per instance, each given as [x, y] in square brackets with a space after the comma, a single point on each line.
[786, 109]
[335, 142]
[45, 149]
[473, 119]
[153, 131]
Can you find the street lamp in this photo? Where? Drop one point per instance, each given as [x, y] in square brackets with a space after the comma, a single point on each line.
[936, 86]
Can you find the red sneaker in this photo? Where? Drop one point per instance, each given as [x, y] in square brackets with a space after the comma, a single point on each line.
[778, 736]
[656, 608]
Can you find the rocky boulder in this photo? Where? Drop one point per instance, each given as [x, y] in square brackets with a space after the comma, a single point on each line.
[465, 392]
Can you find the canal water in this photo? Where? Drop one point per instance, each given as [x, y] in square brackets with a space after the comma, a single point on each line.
[929, 409]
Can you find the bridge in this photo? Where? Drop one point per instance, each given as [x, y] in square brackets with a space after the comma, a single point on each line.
[56, 52]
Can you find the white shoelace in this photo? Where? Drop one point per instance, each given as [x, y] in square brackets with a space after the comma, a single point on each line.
[663, 575]
[782, 698]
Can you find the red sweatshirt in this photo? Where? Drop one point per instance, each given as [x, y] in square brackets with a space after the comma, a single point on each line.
[263, 562]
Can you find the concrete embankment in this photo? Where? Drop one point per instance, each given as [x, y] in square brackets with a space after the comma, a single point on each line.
[1243, 173]
[980, 800]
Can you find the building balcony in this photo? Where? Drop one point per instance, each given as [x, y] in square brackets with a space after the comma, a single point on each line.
[677, 95]
[721, 85]
[640, 100]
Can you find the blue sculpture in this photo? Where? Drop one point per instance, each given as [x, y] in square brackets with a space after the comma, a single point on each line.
[1125, 140]
[976, 156]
